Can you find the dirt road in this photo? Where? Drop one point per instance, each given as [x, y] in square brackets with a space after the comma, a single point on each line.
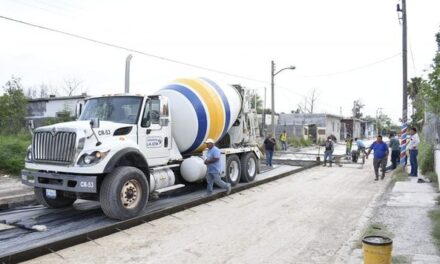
[309, 217]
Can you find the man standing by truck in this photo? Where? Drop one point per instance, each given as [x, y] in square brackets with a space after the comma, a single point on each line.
[269, 146]
[214, 168]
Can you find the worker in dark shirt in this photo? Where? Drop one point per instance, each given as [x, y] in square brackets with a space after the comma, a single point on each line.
[380, 149]
[269, 146]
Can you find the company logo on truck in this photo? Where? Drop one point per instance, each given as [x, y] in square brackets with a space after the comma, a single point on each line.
[154, 142]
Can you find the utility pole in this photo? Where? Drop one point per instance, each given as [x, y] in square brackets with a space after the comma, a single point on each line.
[378, 119]
[404, 62]
[405, 83]
[354, 115]
[264, 114]
[272, 75]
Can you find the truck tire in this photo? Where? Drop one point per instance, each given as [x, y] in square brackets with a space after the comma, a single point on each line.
[124, 193]
[233, 169]
[249, 167]
[59, 202]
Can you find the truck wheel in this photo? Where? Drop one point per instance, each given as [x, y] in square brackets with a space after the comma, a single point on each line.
[124, 193]
[233, 169]
[248, 167]
[59, 202]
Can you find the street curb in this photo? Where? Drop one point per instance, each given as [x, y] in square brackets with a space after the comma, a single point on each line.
[17, 200]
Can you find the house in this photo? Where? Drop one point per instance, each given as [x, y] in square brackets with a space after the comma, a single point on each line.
[368, 129]
[348, 124]
[316, 127]
[39, 109]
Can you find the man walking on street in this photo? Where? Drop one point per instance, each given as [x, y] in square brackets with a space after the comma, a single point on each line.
[214, 169]
[283, 139]
[413, 147]
[269, 145]
[329, 148]
[395, 151]
[380, 156]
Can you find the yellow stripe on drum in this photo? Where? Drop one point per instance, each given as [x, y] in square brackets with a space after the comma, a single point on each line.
[213, 104]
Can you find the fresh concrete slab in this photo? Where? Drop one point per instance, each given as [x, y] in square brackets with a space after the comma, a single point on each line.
[13, 192]
[304, 218]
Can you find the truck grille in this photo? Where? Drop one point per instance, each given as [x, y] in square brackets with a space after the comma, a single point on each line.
[58, 147]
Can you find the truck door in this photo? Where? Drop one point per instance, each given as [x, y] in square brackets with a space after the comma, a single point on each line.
[155, 131]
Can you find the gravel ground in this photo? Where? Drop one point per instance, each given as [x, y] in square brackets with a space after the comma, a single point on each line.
[309, 217]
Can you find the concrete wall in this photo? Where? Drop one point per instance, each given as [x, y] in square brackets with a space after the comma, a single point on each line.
[326, 124]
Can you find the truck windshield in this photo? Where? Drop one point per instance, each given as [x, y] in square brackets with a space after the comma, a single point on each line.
[121, 109]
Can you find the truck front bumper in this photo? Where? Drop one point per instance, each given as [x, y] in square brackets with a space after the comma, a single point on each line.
[58, 181]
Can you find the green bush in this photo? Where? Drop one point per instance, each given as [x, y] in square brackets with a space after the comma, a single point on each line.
[13, 152]
[62, 116]
[426, 156]
[299, 142]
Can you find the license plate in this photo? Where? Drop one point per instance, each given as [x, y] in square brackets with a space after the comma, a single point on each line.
[51, 193]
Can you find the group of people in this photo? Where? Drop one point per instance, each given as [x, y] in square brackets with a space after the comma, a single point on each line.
[381, 151]
[379, 148]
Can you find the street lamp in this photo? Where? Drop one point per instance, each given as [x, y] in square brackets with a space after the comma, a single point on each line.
[272, 75]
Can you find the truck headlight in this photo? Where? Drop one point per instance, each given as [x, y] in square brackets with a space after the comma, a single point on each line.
[92, 158]
[29, 153]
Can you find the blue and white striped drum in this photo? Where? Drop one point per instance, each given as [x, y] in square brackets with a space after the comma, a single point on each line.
[200, 109]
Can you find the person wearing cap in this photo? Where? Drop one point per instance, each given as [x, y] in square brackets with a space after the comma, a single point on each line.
[380, 156]
[329, 148]
[269, 146]
[214, 168]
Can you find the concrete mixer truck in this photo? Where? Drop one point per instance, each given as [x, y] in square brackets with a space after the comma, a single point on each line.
[122, 148]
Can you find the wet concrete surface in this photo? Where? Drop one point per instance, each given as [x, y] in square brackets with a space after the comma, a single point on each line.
[19, 232]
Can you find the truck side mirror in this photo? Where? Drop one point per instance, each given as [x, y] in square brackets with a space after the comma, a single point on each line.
[31, 124]
[163, 121]
[78, 111]
[94, 122]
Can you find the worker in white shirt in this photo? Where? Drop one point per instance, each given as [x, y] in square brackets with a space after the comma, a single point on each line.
[413, 148]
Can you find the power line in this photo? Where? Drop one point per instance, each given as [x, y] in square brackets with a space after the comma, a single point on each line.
[352, 69]
[131, 50]
[182, 62]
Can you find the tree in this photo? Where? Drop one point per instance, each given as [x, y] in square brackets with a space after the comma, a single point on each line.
[416, 86]
[12, 107]
[309, 102]
[259, 103]
[357, 107]
[72, 85]
[432, 92]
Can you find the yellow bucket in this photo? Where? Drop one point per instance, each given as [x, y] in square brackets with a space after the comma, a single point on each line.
[377, 249]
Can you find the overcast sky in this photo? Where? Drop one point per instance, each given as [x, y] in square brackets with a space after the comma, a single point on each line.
[345, 49]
